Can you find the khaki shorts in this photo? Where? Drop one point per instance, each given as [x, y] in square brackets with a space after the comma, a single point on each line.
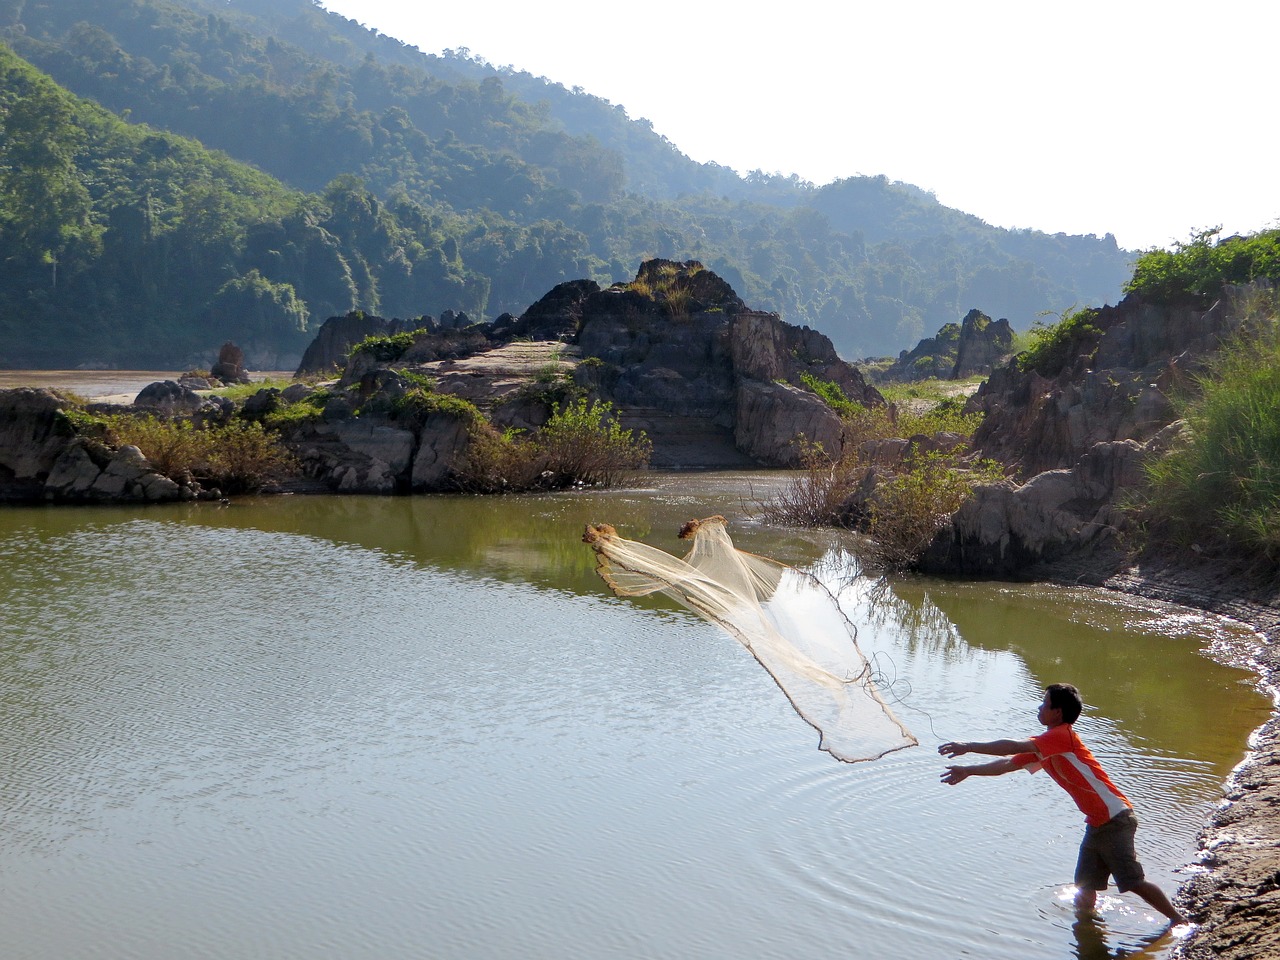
[1107, 851]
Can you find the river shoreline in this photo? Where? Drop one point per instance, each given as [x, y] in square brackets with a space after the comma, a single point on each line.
[1235, 900]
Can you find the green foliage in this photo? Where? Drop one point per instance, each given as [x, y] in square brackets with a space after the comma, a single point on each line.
[500, 461]
[831, 393]
[914, 503]
[421, 402]
[75, 421]
[310, 407]
[408, 183]
[238, 392]
[237, 457]
[945, 416]
[1054, 346]
[1199, 267]
[582, 443]
[1220, 486]
[385, 349]
[913, 498]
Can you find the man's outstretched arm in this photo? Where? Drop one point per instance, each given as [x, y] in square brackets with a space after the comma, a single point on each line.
[954, 775]
[992, 748]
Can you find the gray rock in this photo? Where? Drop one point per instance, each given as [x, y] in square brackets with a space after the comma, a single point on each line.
[774, 419]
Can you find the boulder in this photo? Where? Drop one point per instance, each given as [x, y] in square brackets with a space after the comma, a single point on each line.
[1009, 529]
[168, 398]
[230, 365]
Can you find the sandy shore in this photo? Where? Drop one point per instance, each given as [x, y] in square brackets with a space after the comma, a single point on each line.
[106, 386]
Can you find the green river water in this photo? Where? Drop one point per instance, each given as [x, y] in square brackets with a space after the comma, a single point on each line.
[361, 728]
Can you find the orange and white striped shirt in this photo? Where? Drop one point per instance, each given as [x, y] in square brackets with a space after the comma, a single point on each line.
[1072, 766]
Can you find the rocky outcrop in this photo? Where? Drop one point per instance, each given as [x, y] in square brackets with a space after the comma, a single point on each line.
[1075, 439]
[983, 344]
[677, 353]
[369, 456]
[712, 359]
[42, 459]
[229, 367]
[974, 347]
[1023, 530]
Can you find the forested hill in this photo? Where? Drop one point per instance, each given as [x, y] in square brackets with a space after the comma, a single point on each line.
[402, 183]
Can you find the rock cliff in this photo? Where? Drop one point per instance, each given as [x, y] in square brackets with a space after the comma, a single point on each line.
[712, 383]
[1075, 438]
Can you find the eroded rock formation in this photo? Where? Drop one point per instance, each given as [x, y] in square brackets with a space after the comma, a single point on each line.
[1076, 438]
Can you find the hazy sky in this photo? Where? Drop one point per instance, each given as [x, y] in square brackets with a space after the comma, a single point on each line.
[1143, 119]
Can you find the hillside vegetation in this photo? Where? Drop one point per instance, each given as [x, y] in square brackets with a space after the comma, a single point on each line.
[400, 183]
[1218, 489]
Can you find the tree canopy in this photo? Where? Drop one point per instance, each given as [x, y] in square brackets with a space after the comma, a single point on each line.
[164, 160]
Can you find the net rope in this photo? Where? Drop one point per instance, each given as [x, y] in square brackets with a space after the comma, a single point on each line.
[786, 618]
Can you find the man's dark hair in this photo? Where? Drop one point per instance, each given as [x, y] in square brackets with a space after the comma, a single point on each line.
[1065, 697]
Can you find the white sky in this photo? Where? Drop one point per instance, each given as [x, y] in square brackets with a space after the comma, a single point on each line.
[1143, 118]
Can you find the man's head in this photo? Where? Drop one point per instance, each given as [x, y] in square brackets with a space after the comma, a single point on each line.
[1062, 703]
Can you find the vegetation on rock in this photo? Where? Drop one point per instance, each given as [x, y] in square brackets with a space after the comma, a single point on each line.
[900, 505]
[1218, 489]
[1199, 267]
[235, 457]
[1051, 347]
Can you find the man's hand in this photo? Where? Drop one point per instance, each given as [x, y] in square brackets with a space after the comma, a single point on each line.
[953, 750]
[954, 775]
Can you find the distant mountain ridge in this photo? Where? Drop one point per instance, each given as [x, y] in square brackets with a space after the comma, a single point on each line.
[444, 183]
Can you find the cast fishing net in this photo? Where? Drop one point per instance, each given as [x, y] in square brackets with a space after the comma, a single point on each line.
[789, 622]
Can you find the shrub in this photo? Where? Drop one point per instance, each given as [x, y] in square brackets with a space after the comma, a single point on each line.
[909, 508]
[581, 443]
[499, 461]
[819, 494]
[385, 349]
[238, 457]
[1201, 266]
[584, 443]
[1053, 346]
[910, 503]
[945, 416]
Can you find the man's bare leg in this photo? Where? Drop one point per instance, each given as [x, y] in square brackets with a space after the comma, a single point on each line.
[1149, 892]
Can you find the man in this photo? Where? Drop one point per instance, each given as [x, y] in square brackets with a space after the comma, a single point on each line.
[1107, 849]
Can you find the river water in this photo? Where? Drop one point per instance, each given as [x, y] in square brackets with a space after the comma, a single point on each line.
[378, 729]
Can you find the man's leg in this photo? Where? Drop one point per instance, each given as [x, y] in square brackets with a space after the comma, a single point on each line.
[1086, 900]
[1149, 892]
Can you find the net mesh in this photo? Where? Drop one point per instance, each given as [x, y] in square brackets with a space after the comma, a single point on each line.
[786, 618]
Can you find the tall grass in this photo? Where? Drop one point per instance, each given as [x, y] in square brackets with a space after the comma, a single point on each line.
[1220, 486]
